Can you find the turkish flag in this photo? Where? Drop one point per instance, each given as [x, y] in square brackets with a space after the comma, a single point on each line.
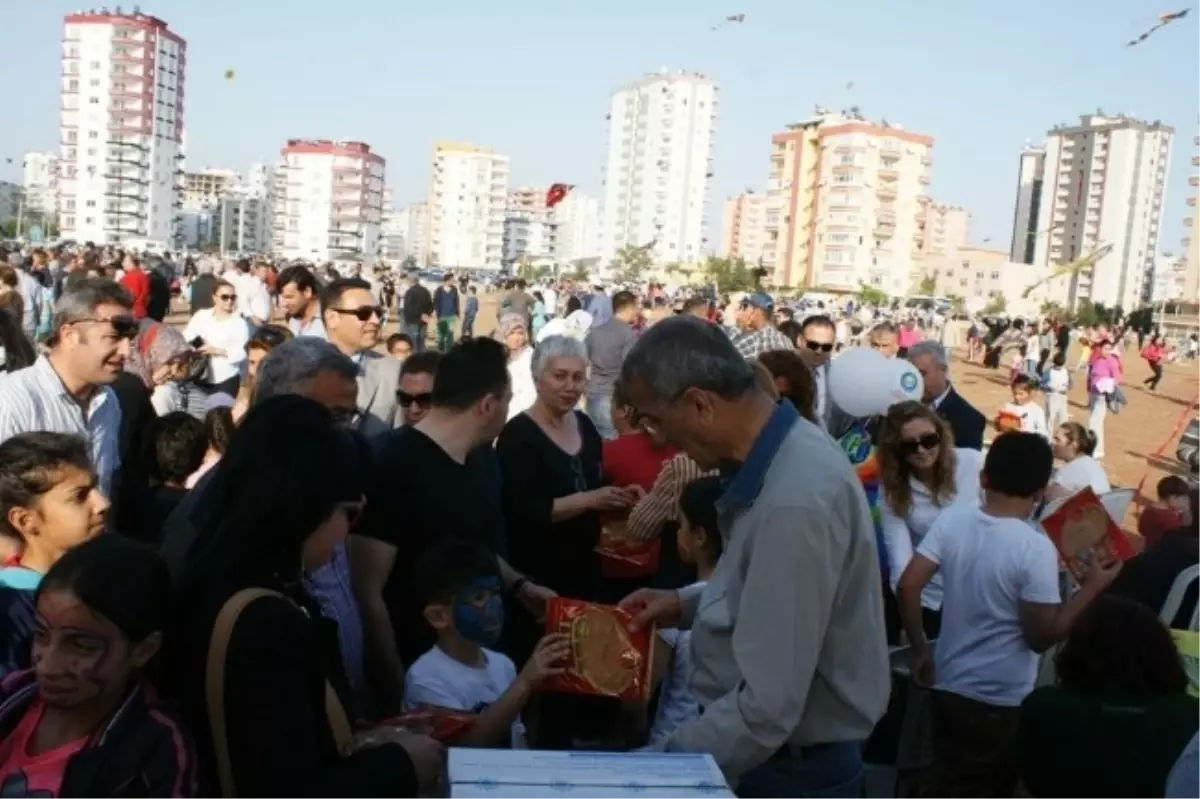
[556, 193]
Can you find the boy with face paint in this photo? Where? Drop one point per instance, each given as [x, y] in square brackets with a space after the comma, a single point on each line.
[50, 502]
[459, 581]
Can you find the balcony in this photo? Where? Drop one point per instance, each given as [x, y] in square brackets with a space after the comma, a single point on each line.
[128, 55]
[890, 149]
[885, 191]
[923, 180]
[1191, 201]
[124, 182]
[889, 174]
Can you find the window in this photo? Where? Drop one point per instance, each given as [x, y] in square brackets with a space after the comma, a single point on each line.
[92, 82]
[90, 203]
[995, 275]
[94, 100]
[847, 159]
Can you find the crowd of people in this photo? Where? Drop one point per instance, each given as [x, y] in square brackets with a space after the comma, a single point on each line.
[238, 552]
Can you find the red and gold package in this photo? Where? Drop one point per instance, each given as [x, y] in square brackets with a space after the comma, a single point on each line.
[606, 659]
[440, 724]
[622, 558]
[1007, 422]
[1084, 533]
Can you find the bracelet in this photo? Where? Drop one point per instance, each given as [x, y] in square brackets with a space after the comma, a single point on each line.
[517, 585]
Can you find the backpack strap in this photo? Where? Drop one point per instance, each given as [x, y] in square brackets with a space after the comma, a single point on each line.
[218, 651]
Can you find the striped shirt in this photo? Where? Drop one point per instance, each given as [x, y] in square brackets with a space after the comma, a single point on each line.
[661, 505]
[35, 399]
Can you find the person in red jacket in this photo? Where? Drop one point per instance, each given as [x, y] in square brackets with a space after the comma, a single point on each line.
[137, 283]
[1155, 353]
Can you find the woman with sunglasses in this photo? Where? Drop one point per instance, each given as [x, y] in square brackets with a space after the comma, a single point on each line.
[921, 474]
[221, 334]
[259, 675]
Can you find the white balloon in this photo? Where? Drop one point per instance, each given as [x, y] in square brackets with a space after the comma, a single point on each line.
[907, 383]
[860, 382]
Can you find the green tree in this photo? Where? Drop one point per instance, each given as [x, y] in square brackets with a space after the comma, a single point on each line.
[729, 274]
[871, 295]
[1052, 310]
[997, 306]
[1142, 319]
[631, 264]
[579, 272]
[527, 272]
[928, 286]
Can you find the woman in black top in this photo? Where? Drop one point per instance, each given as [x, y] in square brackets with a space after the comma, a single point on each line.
[553, 495]
[282, 498]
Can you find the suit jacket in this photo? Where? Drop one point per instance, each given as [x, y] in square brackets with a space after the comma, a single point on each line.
[833, 419]
[967, 423]
[378, 381]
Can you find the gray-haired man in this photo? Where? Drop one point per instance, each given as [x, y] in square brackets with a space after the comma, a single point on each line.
[788, 645]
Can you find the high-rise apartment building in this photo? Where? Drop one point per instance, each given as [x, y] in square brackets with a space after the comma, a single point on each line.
[742, 230]
[658, 166]
[1098, 184]
[121, 127]
[1191, 241]
[530, 229]
[944, 229]
[40, 181]
[845, 197]
[468, 194]
[578, 222]
[209, 184]
[330, 204]
[417, 241]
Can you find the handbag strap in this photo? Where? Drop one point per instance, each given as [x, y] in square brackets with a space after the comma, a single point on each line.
[218, 651]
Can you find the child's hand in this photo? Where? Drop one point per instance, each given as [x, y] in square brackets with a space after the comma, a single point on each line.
[548, 659]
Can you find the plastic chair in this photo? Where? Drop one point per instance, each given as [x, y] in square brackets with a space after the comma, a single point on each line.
[1174, 601]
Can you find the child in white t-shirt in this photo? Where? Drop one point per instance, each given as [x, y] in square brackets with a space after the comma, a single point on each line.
[459, 582]
[1001, 608]
[1033, 418]
[699, 542]
[1055, 384]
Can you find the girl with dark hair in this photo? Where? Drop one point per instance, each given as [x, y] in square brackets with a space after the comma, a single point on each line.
[16, 350]
[259, 671]
[83, 721]
[1120, 714]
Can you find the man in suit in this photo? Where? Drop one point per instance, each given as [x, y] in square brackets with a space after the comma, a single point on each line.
[352, 321]
[930, 359]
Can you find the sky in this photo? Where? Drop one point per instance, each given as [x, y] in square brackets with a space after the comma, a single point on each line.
[531, 79]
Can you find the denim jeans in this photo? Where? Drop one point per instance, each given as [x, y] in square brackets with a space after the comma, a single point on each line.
[417, 334]
[825, 770]
[599, 409]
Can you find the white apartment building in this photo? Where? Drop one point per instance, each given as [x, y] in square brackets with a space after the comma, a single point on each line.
[530, 230]
[468, 194]
[10, 201]
[1098, 183]
[210, 184]
[578, 227]
[968, 272]
[393, 231]
[742, 227]
[121, 127]
[1191, 241]
[416, 242]
[658, 166]
[1170, 277]
[243, 224]
[845, 204]
[944, 229]
[330, 204]
[198, 226]
[40, 179]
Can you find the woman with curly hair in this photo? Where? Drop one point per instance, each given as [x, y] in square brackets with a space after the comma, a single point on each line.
[921, 474]
[1120, 714]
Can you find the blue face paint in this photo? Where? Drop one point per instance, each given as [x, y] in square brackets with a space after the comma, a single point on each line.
[479, 611]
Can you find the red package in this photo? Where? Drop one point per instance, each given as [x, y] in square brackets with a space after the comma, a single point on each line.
[606, 659]
[440, 724]
[1084, 533]
[621, 558]
[1007, 422]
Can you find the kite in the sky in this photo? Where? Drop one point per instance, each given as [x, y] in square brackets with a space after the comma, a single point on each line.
[732, 19]
[1163, 21]
[230, 74]
[557, 193]
[1072, 268]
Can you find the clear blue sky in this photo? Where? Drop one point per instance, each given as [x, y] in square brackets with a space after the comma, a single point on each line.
[531, 78]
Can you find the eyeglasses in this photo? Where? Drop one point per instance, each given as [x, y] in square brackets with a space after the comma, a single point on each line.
[927, 441]
[817, 346]
[362, 313]
[124, 326]
[226, 297]
[422, 401]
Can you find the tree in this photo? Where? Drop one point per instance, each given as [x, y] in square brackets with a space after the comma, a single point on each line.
[631, 263]
[527, 272]
[729, 274]
[928, 286]
[996, 307]
[579, 272]
[871, 295]
[1052, 310]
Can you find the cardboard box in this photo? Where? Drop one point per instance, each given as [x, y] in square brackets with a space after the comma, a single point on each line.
[530, 773]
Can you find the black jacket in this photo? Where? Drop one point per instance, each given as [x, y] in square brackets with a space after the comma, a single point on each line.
[140, 750]
[202, 291]
[967, 423]
[280, 657]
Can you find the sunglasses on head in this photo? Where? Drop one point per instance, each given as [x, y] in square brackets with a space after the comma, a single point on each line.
[927, 441]
[124, 326]
[817, 346]
[269, 336]
[406, 400]
[362, 313]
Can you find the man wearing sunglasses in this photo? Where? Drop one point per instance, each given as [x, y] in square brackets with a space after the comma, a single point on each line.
[352, 322]
[816, 342]
[756, 333]
[67, 391]
[415, 396]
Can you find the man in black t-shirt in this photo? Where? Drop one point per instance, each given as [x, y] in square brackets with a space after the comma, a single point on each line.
[432, 480]
[418, 309]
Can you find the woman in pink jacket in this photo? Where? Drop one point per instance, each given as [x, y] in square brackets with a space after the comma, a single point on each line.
[1105, 374]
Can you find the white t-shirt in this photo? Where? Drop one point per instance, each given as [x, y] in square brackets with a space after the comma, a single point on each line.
[439, 680]
[1080, 473]
[229, 334]
[1033, 417]
[989, 566]
[675, 701]
[1058, 380]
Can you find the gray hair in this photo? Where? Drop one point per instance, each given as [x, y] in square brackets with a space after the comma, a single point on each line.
[929, 347]
[882, 327]
[83, 298]
[684, 352]
[291, 367]
[556, 347]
